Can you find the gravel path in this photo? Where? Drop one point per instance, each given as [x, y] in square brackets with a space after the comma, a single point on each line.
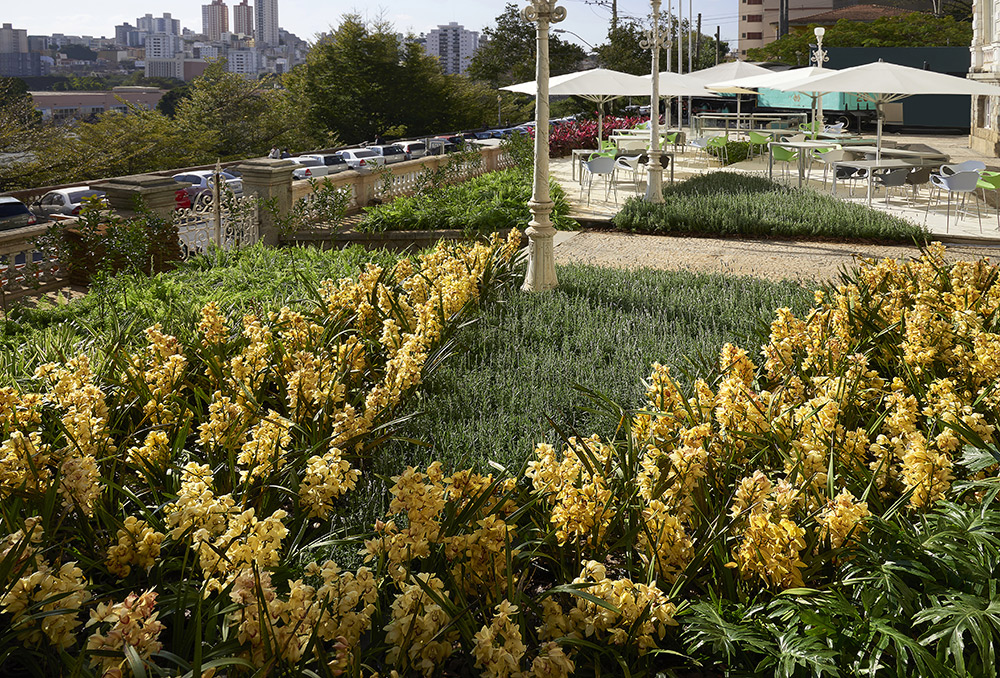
[806, 261]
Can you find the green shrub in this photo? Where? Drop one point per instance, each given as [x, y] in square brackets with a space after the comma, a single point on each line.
[736, 151]
[738, 204]
[483, 204]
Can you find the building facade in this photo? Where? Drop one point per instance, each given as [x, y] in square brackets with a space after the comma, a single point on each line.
[759, 18]
[984, 135]
[453, 46]
[164, 24]
[13, 40]
[215, 20]
[266, 23]
[243, 18]
[66, 105]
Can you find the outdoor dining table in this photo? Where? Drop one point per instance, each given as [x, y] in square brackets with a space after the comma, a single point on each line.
[885, 163]
[799, 146]
[900, 153]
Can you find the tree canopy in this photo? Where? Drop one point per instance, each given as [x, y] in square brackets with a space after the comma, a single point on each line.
[506, 53]
[909, 30]
[623, 50]
[361, 82]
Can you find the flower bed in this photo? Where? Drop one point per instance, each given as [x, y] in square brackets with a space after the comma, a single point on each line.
[734, 527]
[567, 136]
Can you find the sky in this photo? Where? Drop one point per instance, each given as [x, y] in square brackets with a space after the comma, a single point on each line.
[306, 18]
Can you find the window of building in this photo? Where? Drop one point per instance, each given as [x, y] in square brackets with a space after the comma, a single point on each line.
[755, 18]
[755, 36]
[744, 35]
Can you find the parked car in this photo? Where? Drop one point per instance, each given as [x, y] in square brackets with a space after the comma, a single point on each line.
[15, 214]
[334, 163]
[414, 149]
[481, 136]
[201, 182]
[309, 167]
[63, 201]
[392, 153]
[361, 159]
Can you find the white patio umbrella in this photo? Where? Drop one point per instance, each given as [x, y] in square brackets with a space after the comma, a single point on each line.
[774, 79]
[882, 82]
[730, 70]
[598, 84]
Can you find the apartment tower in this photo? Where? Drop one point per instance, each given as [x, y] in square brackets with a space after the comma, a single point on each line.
[453, 46]
[243, 18]
[215, 20]
[266, 23]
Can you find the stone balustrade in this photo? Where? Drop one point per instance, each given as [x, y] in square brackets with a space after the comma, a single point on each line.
[24, 268]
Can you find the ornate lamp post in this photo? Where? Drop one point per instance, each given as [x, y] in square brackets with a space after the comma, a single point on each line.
[541, 274]
[819, 56]
[653, 42]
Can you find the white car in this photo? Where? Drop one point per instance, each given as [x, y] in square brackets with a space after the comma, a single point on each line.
[64, 201]
[413, 149]
[361, 159]
[309, 167]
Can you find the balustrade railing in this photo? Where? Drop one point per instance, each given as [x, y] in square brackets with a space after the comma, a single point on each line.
[25, 268]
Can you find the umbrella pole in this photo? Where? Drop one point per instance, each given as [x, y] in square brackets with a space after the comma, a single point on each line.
[600, 124]
[878, 132]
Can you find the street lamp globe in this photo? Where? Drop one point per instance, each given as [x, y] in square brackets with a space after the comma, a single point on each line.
[819, 32]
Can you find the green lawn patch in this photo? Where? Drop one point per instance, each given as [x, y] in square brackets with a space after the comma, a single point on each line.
[728, 203]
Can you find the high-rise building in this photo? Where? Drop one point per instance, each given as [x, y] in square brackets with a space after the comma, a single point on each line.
[165, 24]
[453, 46]
[127, 35]
[266, 23]
[215, 20]
[163, 46]
[243, 18]
[13, 40]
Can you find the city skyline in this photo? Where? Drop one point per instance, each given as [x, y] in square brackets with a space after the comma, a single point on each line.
[307, 18]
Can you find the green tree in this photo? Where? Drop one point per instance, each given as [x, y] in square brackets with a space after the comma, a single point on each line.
[168, 102]
[246, 117]
[506, 53]
[909, 30]
[361, 82]
[136, 141]
[23, 138]
[623, 50]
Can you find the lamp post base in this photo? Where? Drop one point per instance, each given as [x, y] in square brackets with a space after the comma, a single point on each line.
[541, 273]
[654, 180]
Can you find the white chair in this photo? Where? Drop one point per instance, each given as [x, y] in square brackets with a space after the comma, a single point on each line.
[700, 144]
[961, 182]
[827, 158]
[835, 129]
[600, 165]
[967, 166]
[629, 163]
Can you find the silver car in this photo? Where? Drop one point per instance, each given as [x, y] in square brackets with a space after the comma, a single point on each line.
[64, 201]
[414, 149]
[362, 159]
[14, 214]
[392, 153]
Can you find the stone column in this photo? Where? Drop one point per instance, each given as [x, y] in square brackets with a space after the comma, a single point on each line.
[271, 181]
[157, 193]
[541, 273]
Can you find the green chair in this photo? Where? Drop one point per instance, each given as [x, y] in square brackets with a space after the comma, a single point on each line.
[785, 155]
[670, 139]
[721, 143]
[990, 180]
[758, 141]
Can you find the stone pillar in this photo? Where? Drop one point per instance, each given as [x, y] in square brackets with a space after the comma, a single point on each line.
[157, 193]
[271, 181]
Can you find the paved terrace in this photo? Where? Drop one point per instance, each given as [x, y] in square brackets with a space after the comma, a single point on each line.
[802, 260]
[691, 163]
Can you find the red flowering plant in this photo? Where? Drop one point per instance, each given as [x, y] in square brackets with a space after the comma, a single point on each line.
[566, 136]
